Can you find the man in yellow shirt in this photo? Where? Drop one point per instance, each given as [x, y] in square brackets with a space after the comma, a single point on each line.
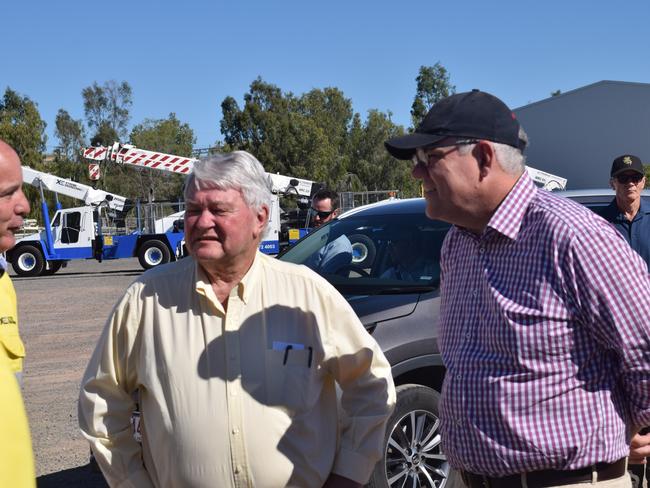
[236, 358]
[16, 461]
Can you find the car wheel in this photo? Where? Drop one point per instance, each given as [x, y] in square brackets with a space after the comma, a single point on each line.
[412, 453]
[153, 253]
[28, 261]
[363, 250]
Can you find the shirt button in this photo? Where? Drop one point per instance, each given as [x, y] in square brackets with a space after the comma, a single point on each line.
[474, 293]
[459, 376]
[481, 250]
[237, 469]
[235, 431]
[459, 422]
[468, 335]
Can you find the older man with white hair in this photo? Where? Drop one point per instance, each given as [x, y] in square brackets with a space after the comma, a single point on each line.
[234, 358]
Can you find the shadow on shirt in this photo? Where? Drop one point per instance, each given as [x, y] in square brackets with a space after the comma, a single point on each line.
[277, 357]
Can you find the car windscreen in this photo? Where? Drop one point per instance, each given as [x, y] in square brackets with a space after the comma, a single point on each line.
[387, 253]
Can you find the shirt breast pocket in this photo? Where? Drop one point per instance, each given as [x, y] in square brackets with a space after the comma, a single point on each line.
[290, 378]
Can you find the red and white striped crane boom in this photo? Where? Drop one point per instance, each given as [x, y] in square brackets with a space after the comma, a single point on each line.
[129, 154]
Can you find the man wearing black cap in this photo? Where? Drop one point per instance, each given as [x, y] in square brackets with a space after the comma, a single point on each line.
[628, 212]
[631, 217]
[543, 318]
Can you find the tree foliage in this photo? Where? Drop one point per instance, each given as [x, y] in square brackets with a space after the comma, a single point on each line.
[22, 128]
[316, 136]
[107, 110]
[105, 135]
[71, 135]
[108, 106]
[68, 162]
[432, 85]
[372, 163]
[302, 136]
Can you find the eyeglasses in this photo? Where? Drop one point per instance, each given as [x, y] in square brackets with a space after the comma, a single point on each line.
[321, 215]
[625, 179]
[423, 157]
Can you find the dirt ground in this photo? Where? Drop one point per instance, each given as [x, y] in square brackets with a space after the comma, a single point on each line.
[60, 319]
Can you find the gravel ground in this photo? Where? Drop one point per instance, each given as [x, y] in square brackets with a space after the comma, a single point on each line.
[60, 319]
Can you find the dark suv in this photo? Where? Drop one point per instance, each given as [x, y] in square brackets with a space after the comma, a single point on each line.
[391, 279]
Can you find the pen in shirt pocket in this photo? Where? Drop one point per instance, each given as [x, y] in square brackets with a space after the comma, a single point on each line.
[287, 347]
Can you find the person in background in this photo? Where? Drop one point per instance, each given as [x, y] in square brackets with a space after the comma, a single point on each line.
[325, 206]
[410, 261]
[236, 357]
[544, 310]
[16, 458]
[336, 255]
[630, 214]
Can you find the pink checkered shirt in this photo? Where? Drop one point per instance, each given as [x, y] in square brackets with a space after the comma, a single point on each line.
[545, 334]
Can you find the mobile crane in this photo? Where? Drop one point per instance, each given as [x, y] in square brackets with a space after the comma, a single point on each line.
[127, 154]
[77, 233]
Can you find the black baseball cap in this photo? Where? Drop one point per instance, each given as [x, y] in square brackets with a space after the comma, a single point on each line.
[627, 162]
[474, 114]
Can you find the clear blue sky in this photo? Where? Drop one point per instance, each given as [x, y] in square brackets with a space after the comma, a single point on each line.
[185, 57]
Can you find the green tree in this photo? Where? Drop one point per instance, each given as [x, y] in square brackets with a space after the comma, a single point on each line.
[71, 135]
[67, 155]
[105, 135]
[107, 110]
[169, 136]
[432, 85]
[23, 129]
[377, 169]
[556, 93]
[304, 136]
[107, 106]
[68, 162]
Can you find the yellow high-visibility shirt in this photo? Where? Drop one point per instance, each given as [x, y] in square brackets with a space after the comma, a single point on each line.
[16, 459]
[12, 347]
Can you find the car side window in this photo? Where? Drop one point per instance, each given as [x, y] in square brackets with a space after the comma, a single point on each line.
[402, 249]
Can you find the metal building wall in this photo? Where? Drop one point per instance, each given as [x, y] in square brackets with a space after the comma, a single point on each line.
[578, 133]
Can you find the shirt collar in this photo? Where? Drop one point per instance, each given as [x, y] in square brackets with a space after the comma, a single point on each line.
[615, 214]
[509, 215]
[243, 288]
[645, 207]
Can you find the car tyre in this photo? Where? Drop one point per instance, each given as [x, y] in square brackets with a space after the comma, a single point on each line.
[412, 453]
[28, 261]
[153, 253]
[363, 250]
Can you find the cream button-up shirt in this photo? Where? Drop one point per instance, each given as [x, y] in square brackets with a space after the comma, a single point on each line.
[243, 398]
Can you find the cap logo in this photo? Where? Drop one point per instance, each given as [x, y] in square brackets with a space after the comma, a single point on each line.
[627, 160]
